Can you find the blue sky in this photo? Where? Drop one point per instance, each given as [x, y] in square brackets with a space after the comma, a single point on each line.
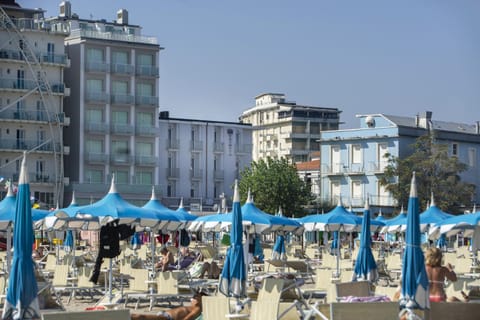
[393, 57]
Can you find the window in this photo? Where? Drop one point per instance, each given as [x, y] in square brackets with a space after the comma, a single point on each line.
[455, 149]
[95, 55]
[144, 177]
[120, 117]
[383, 195]
[145, 60]
[356, 153]
[472, 157]
[356, 191]
[334, 191]
[145, 119]
[94, 175]
[94, 116]
[120, 87]
[335, 158]
[120, 57]
[145, 89]
[41, 134]
[171, 189]
[94, 85]
[382, 149]
[121, 176]
[144, 149]
[94, 146]
[120, 147]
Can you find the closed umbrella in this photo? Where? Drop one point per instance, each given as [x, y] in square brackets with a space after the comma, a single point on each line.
[279, 252]
[22, 301]
[68, 243]
[415, 289]
[233, 280]
[136, 241]
[365, 265]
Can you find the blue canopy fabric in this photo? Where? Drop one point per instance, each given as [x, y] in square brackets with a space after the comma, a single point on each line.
[395, 224]
[233, 280]
[365, 265]
[279, 252]
[169, 220]
[22, 301]
[335, 242]
[415, 289]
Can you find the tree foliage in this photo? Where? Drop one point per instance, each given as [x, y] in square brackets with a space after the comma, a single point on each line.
[274, 183]
[435, 172]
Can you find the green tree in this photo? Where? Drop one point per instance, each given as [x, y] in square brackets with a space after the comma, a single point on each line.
[274, 183]
[435, 172]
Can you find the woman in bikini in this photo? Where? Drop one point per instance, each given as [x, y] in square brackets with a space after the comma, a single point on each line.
[191, 312]
[437, 274]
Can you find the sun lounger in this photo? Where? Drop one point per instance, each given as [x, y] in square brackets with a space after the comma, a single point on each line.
[354, 288]
[122, 314]
[369, 310]
[215, 307]
[454, 310]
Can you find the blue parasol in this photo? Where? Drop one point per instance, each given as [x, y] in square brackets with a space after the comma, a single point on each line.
[136, 241]
[233, 280]
[365, 266]
[414, 275]
[279, 252]
[170, 219]
[22, 301]
[432, 216]
[334, 244]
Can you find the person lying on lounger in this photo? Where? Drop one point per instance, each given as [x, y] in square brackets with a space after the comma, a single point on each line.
[190, 312]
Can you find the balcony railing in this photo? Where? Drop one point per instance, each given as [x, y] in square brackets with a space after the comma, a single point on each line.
[42, 57]
[146, 160]
[96, 97]
[121, 68]
[96, 66]
[243, 148]
[145, 70]
[100, 158]
[219, 174]
[146, 100]
[173, 173]
[116, 128]
[377, 166]
[25, 84]
[196, 173]
[96, 127]
[146, 131]
[121, 99]
[196, 145]
[28, 115]
[218, 147]
[18, 144]
[41, 25]
[173, 144]
[120, 158]
[77, 33]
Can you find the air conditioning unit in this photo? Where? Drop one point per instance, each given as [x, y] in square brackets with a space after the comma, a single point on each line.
[66, 150]
[66, 181]
[65, 9]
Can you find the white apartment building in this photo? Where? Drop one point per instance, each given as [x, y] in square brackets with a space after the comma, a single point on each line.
[32, 62]
[200, 160]
[282, 128]
[114, 107]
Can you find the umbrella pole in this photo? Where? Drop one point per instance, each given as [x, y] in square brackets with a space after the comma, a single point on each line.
[110, 280]
[9, 247]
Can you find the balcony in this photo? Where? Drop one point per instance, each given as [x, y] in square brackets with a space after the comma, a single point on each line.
[148, 71]
[146, 160]
[218, 147]
[173, 173]
[122, 129]
[96, 97]
[20, 84]
[121, 99]
[354, 169]
[333, 170]
[96, 127]
[196, 146]
[173, 144]
[43, 57]
[24, 115]
[243, 148]
[23, 145]
[79, 33]
[377, 167]
[219, 174]
[40, 178]
[96, 158]
[148, 131]
[146, 101]
[96, 66]
[120, 159]
[120, 68]
[196, 174]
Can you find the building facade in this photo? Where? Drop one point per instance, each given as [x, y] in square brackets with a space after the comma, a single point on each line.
[200, 160]
[32, 63]
[284, 129]
[352, 160]
[114, 106]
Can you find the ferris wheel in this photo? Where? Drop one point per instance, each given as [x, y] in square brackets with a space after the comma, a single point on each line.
[31, 106]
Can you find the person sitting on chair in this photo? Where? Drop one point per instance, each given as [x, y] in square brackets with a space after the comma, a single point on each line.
[190, 312]
[166, 261]
[437, 274]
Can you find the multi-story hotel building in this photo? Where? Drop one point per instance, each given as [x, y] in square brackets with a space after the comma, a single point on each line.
[32, 63]
[285, 129]
[114, 107]
[200, 159]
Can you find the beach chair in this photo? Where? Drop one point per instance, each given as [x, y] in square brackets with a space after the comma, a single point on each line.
[121, 314]
[84, 284]
[215, 307]
[138, 286]
[353, 288]
[323, 284]
[168, 288]
[62, 283]
[454, 310]
[302, 268]
[368, 310]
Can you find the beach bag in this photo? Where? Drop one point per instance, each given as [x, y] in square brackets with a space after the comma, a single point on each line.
[225, 239]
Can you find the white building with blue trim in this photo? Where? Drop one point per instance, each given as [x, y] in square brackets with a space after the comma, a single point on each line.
[353, 162]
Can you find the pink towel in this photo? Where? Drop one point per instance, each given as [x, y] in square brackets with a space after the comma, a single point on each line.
[365, 299]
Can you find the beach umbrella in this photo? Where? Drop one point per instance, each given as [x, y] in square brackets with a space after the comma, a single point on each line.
[365, 266]
[136, 241]
[415, 290]
[380, 217]
[21, 301]
[169, 220]
[395, 224]
[279, 252]
[68, 243]
[432, 216]
[334, 245]
[233, 280]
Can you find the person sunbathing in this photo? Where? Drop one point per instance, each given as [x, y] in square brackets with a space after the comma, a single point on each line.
[437, 274]
[190, 312]
[166, 260]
